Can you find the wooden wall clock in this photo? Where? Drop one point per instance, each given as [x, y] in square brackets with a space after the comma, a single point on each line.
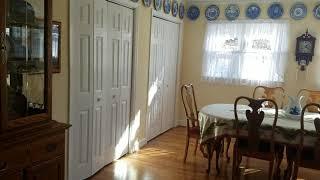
[305, 50]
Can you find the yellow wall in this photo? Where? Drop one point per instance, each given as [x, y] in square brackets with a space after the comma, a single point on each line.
[210, 93]
[60, 82]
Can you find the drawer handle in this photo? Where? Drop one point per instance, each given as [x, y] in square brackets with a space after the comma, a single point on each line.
[51, 147]
[3, 166]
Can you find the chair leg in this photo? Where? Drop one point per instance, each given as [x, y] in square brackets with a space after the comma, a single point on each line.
[195, 149]
[219, 145]
[271, 163]
[234, 163]
[210, 153]
[227, 150]
[295, 171]
[186, 150]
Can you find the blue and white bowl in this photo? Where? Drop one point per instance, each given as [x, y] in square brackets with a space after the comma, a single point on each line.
[298, 11]
[167, 6]
[175, 8]
[275, 11]
[212, 12]
[147, 3]
[253, 11]
[232, 12]
[316, 11]
[193, 12]
[181, 10]
[157, 4]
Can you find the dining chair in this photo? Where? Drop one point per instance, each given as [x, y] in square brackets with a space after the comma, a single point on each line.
[311, 96]
[251, 141]
[191, 110]
[305, 155]
[276, 94]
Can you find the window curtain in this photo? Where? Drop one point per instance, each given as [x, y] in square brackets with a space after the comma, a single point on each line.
[246, 52]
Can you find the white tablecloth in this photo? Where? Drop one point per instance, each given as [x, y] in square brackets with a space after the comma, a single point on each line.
[218, 120]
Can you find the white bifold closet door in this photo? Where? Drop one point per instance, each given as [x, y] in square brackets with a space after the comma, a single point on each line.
[162, 76]
[100, 85]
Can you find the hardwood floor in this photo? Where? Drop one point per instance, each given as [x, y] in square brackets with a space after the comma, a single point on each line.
[162, 158]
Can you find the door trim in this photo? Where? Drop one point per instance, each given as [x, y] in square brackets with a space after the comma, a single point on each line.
[72, 28]
[178, 21]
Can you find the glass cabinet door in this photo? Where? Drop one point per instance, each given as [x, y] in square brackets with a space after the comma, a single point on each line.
[25, 58]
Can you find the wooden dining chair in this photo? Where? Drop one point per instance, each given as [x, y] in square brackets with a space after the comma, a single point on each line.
[305, 156]
[191, 110]
[248, 140]
[276, 94]
[193, 129]
[310, 96]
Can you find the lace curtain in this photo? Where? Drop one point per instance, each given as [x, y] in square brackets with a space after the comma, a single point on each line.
[246, 52]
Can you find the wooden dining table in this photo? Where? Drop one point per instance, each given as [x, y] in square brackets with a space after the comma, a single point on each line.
[216, 121]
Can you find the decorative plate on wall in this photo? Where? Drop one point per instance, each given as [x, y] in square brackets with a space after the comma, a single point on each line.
[167, 6]
[135, 0]
[181, 11]
[175, 7]
[253, 11]
[316, 11]
[157, 4]
[298, 11]
[275, 11]
[212, 12]
[147, 3]
[193, 12]
[232, 12]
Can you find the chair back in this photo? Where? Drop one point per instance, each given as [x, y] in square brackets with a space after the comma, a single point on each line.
[276, 94]
[311, 96]
[190, 104]
[316, 147]
[255, 116]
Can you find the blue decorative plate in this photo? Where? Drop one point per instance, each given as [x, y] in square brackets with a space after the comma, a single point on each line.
[181, 11]
[157, 4]
[193, 12]
[212, 12]
[316, 11]
[147, 3]
[298, 11]
[175, 7]
[232, 12]
[253, 11]
[167, 6]
[275, 11]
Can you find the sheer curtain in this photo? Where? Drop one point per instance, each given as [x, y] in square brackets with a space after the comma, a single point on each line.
[246, 52]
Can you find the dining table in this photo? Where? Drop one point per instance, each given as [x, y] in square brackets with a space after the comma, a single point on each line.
[216, 121]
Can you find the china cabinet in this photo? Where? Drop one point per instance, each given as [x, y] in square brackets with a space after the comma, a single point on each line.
[32, 145]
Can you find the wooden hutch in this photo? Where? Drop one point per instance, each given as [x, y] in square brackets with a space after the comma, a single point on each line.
[32, 145]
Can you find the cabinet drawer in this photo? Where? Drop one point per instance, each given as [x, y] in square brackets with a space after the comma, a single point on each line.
[48, 148]
[13, 158]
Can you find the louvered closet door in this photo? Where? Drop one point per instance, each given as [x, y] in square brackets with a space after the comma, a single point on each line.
[120, 21]
[81, 85]
[162, 76]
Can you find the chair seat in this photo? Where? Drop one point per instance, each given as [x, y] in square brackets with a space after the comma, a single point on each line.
[194, 131]
[307, 153]
[263, 149]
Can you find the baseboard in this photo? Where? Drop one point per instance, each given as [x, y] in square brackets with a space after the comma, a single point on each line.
[181, 122]
[142, 142]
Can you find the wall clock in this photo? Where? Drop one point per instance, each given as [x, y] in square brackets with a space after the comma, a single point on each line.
[305, 50]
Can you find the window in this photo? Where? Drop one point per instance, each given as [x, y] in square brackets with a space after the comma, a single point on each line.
[246, 52]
